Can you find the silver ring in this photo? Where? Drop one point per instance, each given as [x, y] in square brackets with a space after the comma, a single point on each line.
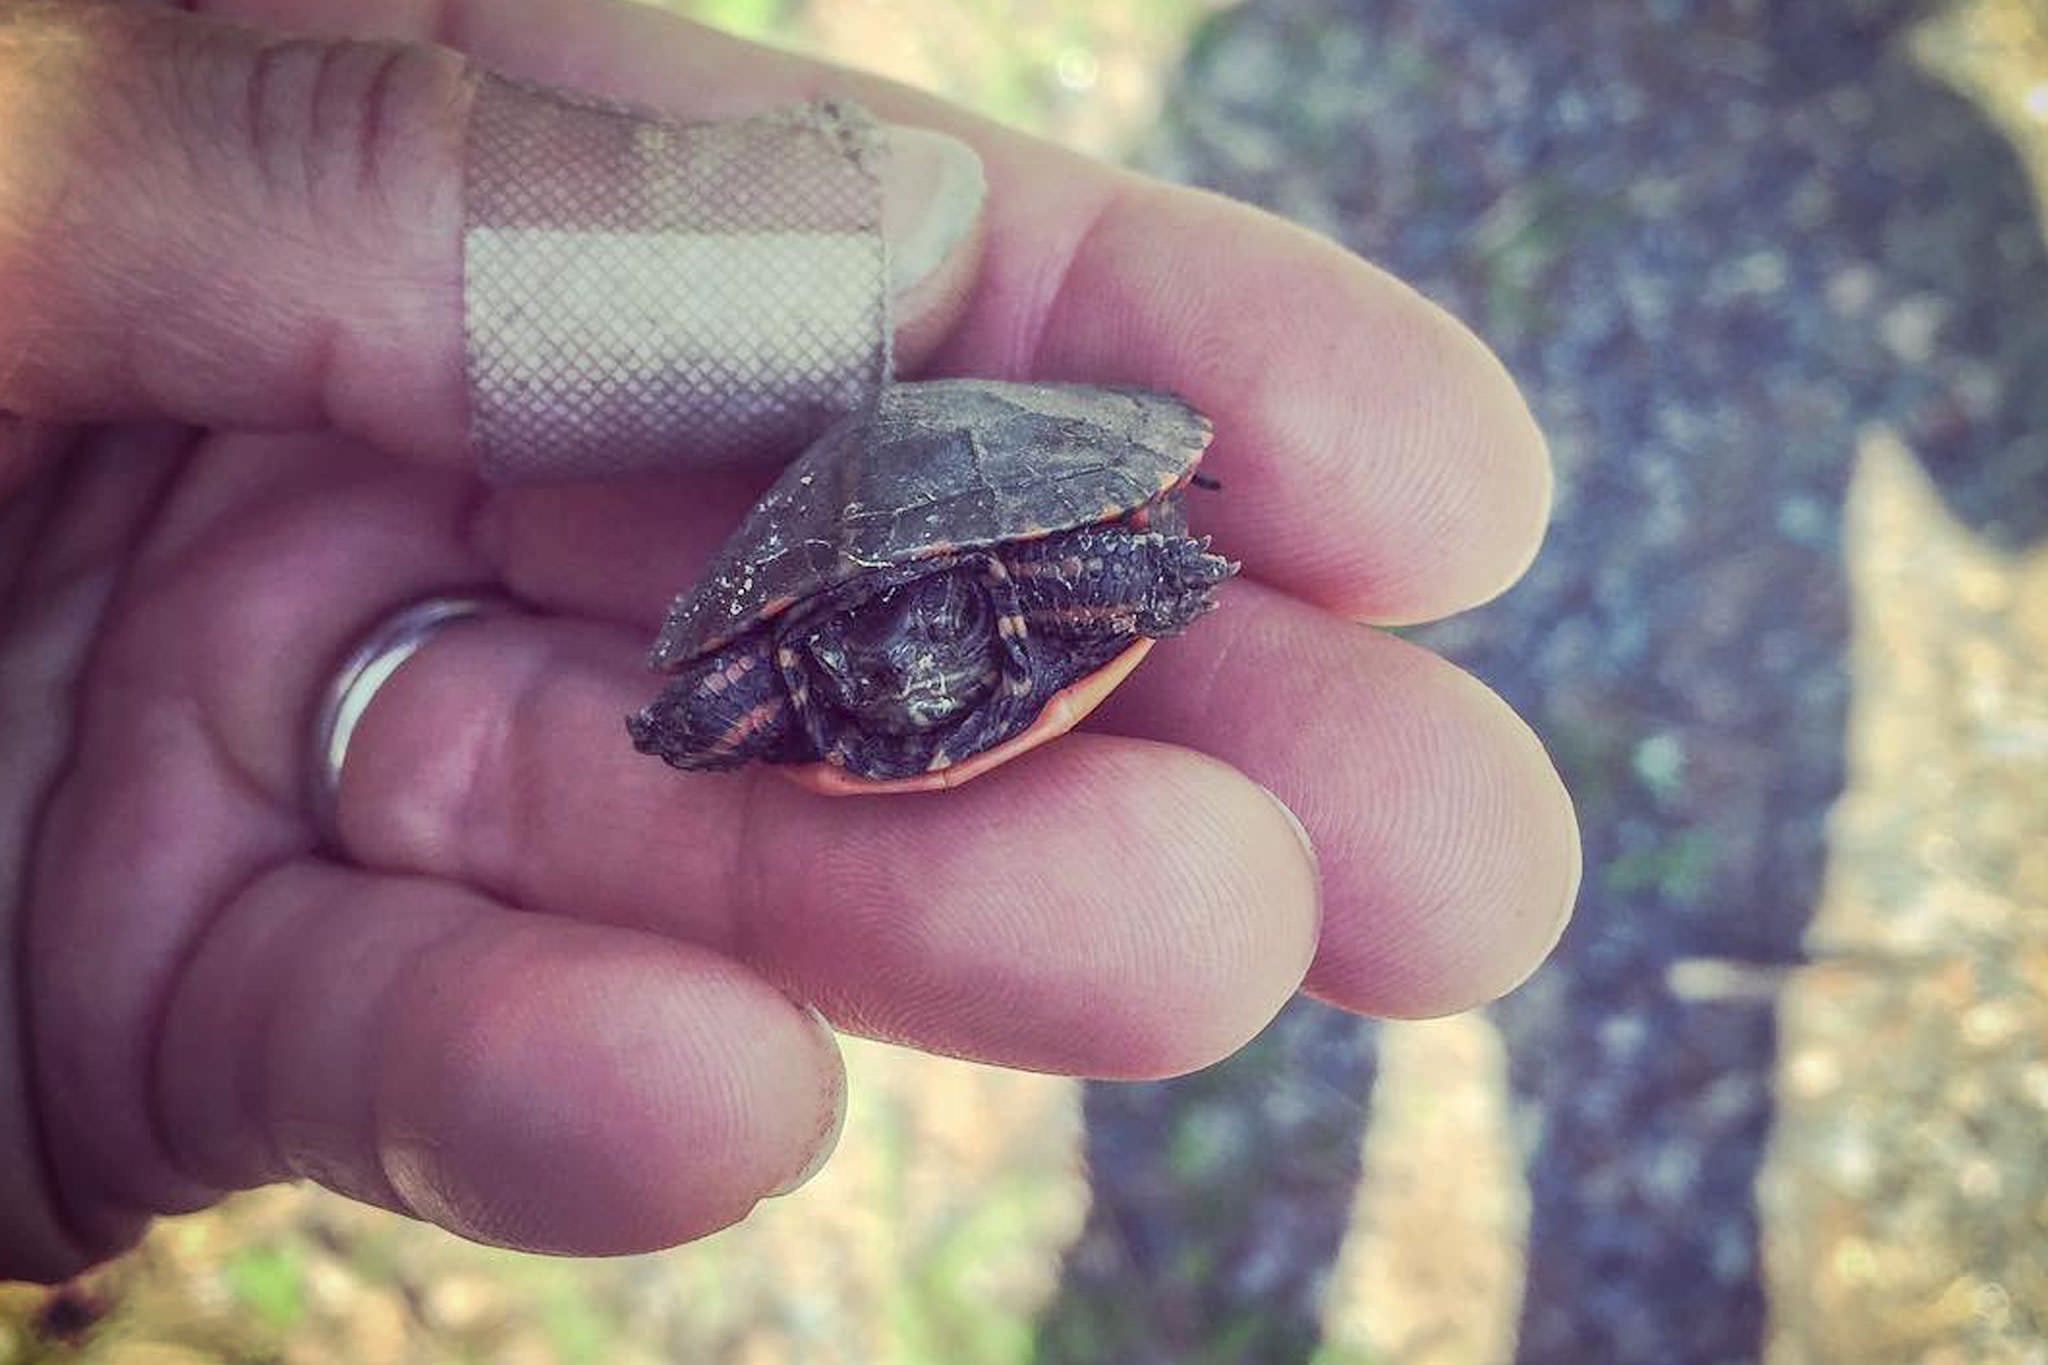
[368, 666]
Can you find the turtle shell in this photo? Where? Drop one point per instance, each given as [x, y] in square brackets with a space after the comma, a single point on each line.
[933, 468]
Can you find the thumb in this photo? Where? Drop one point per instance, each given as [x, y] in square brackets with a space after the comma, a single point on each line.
[230, 228]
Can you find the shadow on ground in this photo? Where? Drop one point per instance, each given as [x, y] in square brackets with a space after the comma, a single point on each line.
[1719, 246]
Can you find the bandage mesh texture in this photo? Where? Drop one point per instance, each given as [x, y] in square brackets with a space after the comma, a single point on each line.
[643, 294]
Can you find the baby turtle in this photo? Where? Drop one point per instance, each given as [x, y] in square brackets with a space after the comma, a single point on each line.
[939, 583]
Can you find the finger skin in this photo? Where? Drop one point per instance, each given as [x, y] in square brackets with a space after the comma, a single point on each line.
[1389, 454]
[56, 574]
[1381, 462]
[247, 230]
[518, 1079]
[27, 448]
[158, 814]
[1449, 848]
[1447, 845]
[195, 1021]
[1448, 842]
[1103, 907]
[1130, 911]
[227, 231]
[1051, 914]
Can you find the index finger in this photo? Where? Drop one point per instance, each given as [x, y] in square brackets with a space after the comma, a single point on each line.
[1378, 460]
[1377, 457]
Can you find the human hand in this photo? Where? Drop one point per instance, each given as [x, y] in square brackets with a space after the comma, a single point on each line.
[546, 994]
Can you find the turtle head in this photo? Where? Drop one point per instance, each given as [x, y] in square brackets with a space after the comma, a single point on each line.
[911, 658]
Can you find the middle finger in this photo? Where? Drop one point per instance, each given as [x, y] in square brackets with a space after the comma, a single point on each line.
[1448, 845]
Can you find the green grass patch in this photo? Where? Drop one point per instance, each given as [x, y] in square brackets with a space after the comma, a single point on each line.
[1677, 868]
[270, 1282]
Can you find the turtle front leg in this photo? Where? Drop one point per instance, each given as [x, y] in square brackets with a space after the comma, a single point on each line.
[1110, 584]
[725, 710]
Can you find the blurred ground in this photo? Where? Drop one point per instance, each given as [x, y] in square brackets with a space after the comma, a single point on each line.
[1906, 1196]
[1774, 276]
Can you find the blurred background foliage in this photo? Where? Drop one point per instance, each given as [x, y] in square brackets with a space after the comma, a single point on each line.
[941, 1233]
[1090, 75]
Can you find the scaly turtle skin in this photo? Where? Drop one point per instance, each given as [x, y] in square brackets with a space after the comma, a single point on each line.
[937, 584]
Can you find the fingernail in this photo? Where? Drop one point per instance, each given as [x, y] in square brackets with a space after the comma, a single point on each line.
[1578, 869]
[1315, 879]
[932, 189]
[1294, 823]
[828, 1137]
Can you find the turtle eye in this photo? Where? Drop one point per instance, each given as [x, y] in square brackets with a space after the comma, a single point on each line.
[910, 658]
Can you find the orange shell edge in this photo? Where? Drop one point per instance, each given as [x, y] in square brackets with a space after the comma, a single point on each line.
[1063, 711]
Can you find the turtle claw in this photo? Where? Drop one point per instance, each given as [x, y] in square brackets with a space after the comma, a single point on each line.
[1188, 577]
[1197, 568]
